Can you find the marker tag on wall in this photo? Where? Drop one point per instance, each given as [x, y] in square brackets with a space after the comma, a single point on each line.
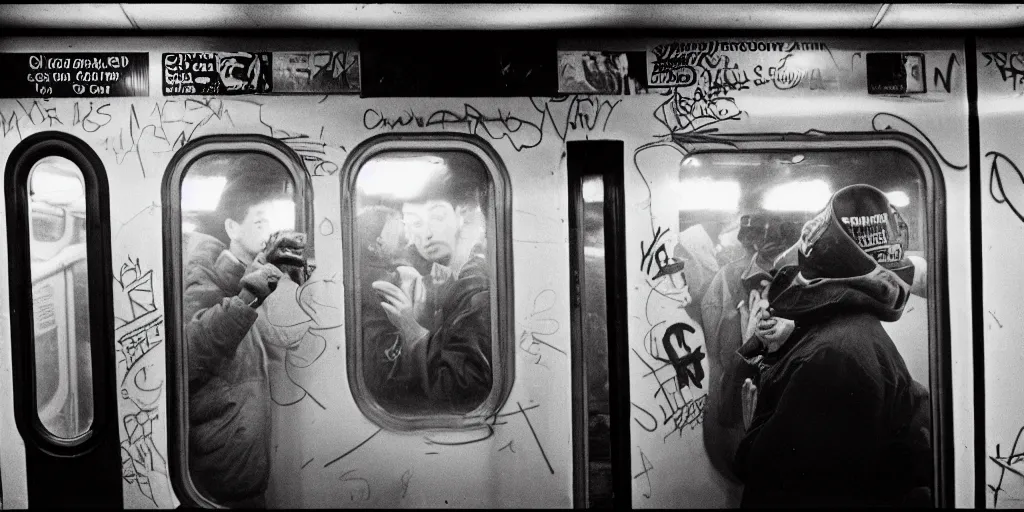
[895, 73]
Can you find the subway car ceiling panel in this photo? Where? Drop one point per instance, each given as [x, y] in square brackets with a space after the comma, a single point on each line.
[143, 17]
[338, 273]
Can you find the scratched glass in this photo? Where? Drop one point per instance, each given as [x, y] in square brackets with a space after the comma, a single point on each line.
[60, 297]
[595, 343]
[244, 261]
[741, 216]
[422, 225]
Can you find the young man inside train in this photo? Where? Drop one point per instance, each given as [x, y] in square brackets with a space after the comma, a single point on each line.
[764, 238]
[226, 282]
[442, 318]
[835, 416]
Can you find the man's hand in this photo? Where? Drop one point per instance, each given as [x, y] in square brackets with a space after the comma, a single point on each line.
[287, 251]
[412, 286]
[754, 311]
[260, 280]
[774, 331]
[749, 402]
[401, 311]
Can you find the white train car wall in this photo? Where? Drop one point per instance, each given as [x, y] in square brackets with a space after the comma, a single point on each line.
[766, 94]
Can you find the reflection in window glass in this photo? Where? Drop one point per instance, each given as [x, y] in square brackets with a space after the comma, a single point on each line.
[424, 275]
[243, 258]
[830, 240]
[60, 297]
[595, 343]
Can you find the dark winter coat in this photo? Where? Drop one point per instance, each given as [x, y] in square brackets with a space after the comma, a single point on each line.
[839, 421]
[449, 370]
[229, 404]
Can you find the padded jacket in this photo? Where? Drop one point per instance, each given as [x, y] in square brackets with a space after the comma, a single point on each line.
[229, 404]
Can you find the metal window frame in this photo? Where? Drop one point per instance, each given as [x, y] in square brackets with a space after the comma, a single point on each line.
[502, 293]
[175, 347]
[101, 315]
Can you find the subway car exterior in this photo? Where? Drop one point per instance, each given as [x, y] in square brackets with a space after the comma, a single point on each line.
[506, 269]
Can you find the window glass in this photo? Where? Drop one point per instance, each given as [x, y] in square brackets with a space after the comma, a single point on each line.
[244, 256]
[60, 297]
[595, 343]
[424, 273]
[807, 231]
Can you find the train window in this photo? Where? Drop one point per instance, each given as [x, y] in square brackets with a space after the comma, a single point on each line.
[240, 241]
[60, 297]
[595, 339]
[797, 233]
[429, 342]
[57, 215]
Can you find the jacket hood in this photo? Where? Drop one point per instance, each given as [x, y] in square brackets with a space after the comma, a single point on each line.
[850, 258]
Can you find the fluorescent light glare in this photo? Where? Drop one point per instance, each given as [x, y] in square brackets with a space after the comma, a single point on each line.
[593, 190]
[898, 198]
[798, 196]
[201, 194]
[706, 194]
[403, 178]
[282, 215]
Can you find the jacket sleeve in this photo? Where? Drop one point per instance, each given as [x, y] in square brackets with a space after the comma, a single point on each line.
[723, 426]
[817, 446]
[452, 364]
[215, 324]
[379, 335]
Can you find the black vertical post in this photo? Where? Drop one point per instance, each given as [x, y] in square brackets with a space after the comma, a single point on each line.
[977, 289]
[611, 157]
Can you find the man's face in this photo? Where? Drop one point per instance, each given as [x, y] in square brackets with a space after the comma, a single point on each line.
[253, 231]
[433, 227]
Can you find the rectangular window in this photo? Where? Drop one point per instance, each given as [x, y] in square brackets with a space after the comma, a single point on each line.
[429, 340]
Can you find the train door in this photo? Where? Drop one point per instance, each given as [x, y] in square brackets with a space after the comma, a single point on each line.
[740, 156]
[359, 185]
[1000, 65]
[63, 390]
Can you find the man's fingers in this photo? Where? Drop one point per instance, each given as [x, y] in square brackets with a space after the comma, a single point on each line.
[753, 298]
[389, 309]
[386, 288]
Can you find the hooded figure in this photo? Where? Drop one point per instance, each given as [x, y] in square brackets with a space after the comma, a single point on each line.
[838, 419]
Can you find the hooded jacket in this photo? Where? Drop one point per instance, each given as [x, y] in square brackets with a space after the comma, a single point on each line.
[229, 405]
[839, 421]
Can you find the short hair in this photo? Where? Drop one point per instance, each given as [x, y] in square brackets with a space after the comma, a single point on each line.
[256, 179]
[463, 182]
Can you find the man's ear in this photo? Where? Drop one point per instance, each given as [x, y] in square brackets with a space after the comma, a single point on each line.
[231, 227]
